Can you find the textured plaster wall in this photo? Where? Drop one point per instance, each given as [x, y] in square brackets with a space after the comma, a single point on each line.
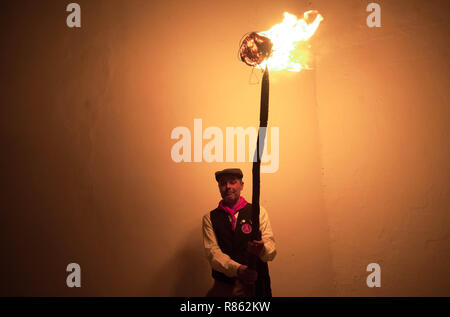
[383, 121]
[86, 117]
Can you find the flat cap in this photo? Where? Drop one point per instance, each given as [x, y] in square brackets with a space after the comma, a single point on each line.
[229, 171]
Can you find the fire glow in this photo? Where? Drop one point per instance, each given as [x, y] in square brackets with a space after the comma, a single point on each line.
[274, 49]
[284, 53]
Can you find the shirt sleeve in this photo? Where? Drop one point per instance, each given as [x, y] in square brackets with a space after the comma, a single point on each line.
[219, 261]
[269, 251]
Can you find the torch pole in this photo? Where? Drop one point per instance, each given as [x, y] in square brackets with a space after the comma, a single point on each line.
[263, 117]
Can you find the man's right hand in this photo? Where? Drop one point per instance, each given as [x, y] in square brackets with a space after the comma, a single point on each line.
[246, 275]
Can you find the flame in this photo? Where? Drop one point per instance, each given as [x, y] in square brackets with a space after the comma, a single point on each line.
[286, 37]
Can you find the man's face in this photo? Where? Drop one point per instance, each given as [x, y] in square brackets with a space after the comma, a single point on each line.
[230, 188]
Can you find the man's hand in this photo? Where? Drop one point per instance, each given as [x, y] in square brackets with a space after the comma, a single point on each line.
[246, 275]
[255, 247]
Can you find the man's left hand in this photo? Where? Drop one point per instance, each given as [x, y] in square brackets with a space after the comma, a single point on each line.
[255, 247]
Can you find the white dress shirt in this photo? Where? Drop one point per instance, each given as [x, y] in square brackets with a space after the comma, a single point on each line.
[222, 262]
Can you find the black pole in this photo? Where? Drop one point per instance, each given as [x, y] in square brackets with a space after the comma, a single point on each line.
[263, 117]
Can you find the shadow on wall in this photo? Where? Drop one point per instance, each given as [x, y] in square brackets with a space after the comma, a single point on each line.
[188, 271]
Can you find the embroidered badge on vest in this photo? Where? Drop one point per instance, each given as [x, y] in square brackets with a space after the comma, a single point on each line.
[246, 228]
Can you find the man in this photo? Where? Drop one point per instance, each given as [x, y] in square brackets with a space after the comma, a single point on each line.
[226, 239]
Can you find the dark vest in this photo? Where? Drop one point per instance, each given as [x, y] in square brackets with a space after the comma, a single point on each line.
[234, 244]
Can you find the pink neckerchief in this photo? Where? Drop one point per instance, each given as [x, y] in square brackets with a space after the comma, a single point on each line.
[232, 211]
